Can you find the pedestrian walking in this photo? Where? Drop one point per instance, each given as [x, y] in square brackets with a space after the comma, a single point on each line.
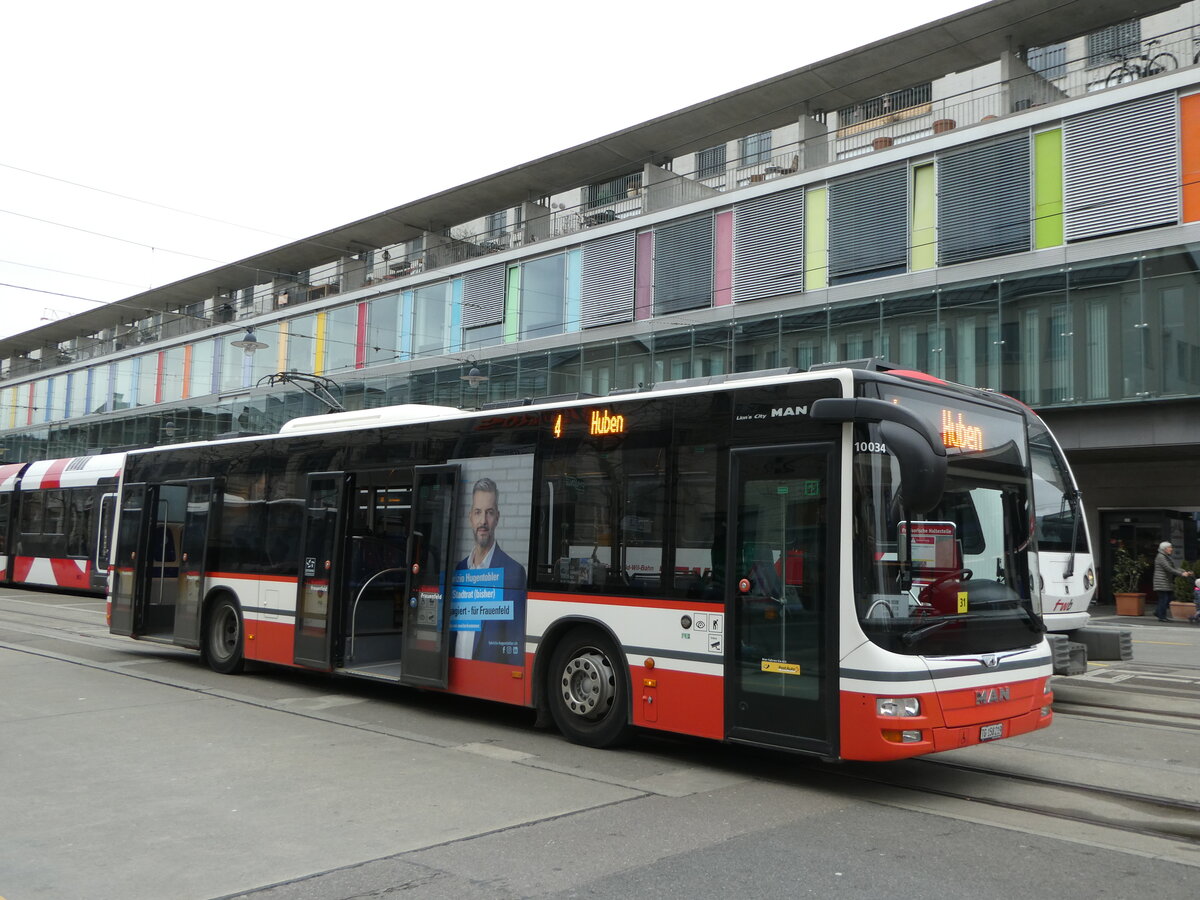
[1195, 617]
[1165, 573]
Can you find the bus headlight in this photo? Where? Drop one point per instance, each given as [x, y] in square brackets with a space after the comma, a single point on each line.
[897, 706]
[1089, 579]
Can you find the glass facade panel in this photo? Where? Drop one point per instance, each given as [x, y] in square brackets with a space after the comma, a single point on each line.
[1107, 298]
[854, 331]
[172, 374]
[804, 338]
[56, 406]
[633, 364]
[341, 339]
[1038, 336]
[970, 319]
[756, 345]
[201, 375]
[543, 296]
[911, 332]
[302, 344]
[147, 379]
[384, 318]
[431, 319]
[123, 384]
[1173, 299]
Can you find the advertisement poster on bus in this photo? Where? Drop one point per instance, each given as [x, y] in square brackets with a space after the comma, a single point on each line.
[487, 595]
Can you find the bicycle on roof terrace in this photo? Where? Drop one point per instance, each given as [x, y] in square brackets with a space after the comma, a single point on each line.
[1131, 68]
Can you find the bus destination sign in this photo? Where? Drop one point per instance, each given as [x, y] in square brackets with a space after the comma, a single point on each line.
[600, 423]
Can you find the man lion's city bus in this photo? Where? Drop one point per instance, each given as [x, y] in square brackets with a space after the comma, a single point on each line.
[838, 562]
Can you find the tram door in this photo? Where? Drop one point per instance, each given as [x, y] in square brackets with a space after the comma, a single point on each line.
[430, 568]
[320, 568]
[780, 609]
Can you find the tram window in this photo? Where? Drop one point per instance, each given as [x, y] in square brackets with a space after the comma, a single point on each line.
[5, 510]
[33, 507]
[55, 515]
[80, 502]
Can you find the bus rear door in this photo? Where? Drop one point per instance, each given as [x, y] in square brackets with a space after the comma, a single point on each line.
[782, 689]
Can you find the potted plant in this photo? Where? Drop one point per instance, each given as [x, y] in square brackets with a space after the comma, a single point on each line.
[1126, 581]
[1183, 603]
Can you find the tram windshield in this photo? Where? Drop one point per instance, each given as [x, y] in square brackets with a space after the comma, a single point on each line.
[956, 578]
[1059, 513]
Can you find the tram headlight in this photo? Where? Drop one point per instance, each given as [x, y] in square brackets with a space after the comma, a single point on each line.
[897, 706]
[1089, 579]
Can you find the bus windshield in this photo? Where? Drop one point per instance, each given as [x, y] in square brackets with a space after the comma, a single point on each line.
[957, 578]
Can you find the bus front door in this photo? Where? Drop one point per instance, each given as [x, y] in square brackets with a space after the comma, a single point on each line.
[426, 641]
[782, 687]
[124, 593]
[320, 568]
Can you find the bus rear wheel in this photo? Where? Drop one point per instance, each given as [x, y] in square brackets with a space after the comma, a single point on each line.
[587, 690]
[223, 637]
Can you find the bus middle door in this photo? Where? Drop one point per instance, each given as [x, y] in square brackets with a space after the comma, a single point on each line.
[321, 555]
[426, 641]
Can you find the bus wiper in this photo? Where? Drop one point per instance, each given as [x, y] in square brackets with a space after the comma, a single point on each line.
[911, 637]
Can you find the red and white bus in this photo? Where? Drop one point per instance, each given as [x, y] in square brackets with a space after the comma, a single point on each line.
[836, 562]
[55, 522]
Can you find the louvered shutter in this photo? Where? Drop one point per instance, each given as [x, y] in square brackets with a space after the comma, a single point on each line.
[1121, 168]
[868, 225]
[683, 265]
[768, 246]
[483, 297]
[984, 201]
[606, 280]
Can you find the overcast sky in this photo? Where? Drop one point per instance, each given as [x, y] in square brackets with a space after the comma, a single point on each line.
[144, 142]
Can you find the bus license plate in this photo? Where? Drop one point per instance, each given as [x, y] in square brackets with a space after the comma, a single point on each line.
[991, 732]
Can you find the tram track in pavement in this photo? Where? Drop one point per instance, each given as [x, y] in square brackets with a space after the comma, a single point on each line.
[1110, 818]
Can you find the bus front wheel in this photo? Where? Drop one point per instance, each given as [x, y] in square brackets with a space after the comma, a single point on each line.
[586, 686]
[224, 636]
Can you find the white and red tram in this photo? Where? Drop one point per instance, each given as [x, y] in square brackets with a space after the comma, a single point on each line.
[839, 562]
[55, 522]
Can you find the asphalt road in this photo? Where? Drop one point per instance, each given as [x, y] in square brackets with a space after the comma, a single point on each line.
[130, 771]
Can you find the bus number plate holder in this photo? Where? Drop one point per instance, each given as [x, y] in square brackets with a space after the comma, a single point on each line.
[991, 732]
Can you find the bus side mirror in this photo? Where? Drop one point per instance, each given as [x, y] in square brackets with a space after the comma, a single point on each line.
[922, 473]
[917, 450]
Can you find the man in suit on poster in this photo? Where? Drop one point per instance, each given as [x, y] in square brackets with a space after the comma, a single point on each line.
[496, 583]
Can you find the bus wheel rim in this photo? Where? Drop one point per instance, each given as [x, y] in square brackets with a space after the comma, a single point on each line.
[588, 686]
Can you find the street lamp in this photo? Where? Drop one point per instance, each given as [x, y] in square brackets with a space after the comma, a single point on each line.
[474, 378]
[249, 344]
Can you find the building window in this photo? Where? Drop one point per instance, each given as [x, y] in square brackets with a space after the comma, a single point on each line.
[755, 148]
[608, 192]
[710, 162]
[1114, 42]
[496, 223]
[1049, 62]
